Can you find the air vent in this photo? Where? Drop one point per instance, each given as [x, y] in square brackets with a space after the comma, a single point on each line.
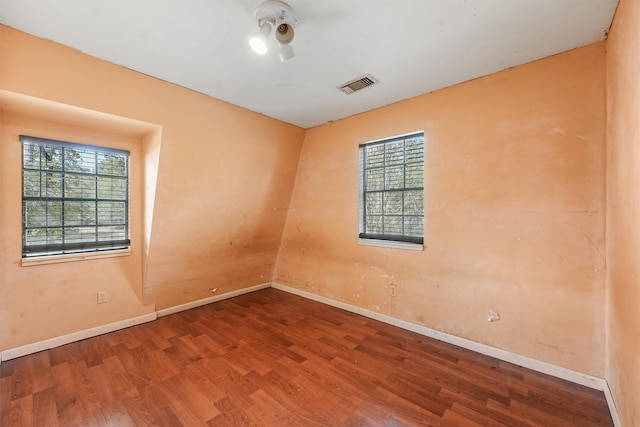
[357, 84]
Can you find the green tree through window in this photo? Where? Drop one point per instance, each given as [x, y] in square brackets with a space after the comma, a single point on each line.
[392, 189]
[75, 197]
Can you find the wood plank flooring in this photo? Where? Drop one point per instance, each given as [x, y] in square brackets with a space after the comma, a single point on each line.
[274, 359]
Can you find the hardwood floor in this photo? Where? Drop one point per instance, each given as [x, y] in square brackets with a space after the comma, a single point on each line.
[273, 359]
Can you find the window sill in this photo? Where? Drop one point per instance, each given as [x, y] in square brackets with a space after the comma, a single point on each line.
[391, 244]
[55, 259]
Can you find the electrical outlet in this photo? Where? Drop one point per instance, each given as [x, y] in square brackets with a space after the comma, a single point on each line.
[392, 290]
[102, 297]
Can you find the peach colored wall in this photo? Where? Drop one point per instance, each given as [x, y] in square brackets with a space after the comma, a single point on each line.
[40, 302]
[515, 166]
[623, 212]
[211, 215]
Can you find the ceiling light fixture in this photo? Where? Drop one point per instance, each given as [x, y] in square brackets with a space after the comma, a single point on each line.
[279, 15]
[258, 40]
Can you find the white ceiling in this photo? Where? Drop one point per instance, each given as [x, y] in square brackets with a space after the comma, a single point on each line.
[411, 46]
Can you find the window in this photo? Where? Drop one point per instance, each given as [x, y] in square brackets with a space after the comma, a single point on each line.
[75, 198]
[392, 189]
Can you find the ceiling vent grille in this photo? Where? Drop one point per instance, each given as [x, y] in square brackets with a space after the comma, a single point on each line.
[357, 84]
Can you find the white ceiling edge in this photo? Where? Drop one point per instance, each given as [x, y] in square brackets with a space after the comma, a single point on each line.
[412, 47]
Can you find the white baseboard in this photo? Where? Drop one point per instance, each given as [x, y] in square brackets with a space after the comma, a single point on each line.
[24, 350]
[612, 406]
[536, 365]
[507, 356]
[205, 301]
[35, 347]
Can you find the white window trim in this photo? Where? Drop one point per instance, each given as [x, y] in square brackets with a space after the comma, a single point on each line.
[54, 257]
[378, 242]
[391, 244]
[80, 256]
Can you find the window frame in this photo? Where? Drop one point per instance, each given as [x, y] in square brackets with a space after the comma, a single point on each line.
[58, 252]
[403, 240]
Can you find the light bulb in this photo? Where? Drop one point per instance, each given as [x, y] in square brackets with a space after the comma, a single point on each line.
[258, 41]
